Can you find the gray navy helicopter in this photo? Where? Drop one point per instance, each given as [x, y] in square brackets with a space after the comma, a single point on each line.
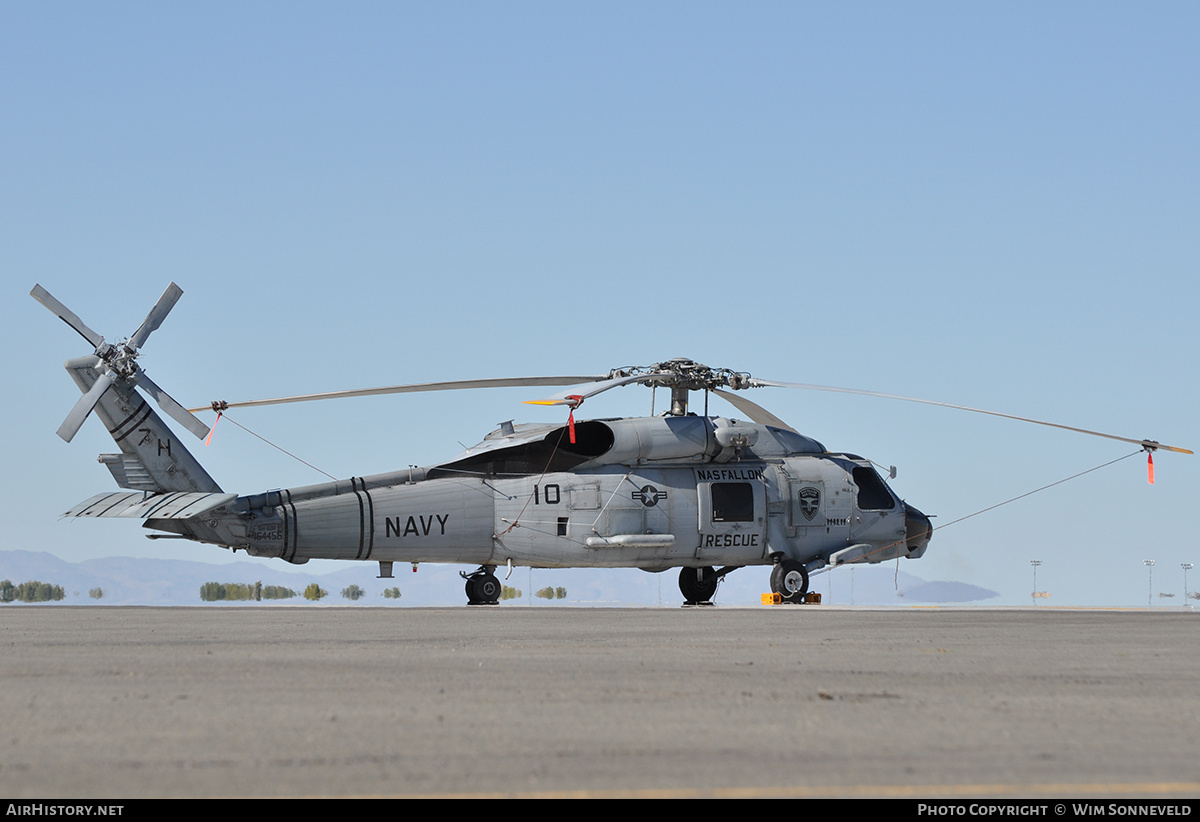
[705, 494]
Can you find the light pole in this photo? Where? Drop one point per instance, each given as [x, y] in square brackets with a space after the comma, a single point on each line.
[1149, 563]
[1035, 563]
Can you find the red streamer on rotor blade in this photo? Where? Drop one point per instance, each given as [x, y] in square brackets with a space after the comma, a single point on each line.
[1150, 467]
[208, 439]
[575, 401]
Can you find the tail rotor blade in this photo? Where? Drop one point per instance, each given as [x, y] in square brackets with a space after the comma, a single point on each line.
[168, 404]
[66, 315]
[156, 316]
[87, 402]
[118, 362]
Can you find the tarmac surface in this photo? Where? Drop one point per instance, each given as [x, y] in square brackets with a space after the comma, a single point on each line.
[785, 701]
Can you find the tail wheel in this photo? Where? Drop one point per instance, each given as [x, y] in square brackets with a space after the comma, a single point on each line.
[488, 588]
[483, 589]
[789, 579]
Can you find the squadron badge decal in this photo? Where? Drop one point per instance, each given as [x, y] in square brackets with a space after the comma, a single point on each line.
[810, 502]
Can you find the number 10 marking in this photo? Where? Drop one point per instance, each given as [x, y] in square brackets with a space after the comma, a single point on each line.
[550, 492]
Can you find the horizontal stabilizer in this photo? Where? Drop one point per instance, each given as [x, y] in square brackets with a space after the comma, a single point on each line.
[138, 505]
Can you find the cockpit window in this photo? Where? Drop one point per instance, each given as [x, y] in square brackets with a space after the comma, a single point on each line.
[873, 494]
[794, 443]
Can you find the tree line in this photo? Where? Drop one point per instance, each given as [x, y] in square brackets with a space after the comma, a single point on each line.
[245, 592]
[33, 591]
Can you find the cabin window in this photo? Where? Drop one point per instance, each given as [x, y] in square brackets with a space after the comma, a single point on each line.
[732, 502]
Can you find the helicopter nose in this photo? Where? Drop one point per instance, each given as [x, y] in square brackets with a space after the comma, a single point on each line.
[918, 528]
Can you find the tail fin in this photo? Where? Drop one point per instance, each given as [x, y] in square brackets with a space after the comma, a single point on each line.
[152, 458]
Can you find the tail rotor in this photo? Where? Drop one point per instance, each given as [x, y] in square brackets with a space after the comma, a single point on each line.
[119, 362]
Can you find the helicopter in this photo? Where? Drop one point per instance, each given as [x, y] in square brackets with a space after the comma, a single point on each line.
[705, 494]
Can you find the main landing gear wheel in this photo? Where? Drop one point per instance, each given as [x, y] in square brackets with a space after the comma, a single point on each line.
[789, 579]
[483, 589]
[698, 584]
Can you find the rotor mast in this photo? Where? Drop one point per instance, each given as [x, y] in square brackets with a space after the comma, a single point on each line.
[679, 401]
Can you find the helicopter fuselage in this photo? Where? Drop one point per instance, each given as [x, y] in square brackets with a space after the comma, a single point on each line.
[652, 493]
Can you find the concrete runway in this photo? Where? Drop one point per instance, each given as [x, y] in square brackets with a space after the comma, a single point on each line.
[105, 702]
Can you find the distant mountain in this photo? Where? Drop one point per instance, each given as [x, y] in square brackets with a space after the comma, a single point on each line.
[946, 592]
[129, 581]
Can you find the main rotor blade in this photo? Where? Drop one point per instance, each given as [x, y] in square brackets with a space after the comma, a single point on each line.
[574, 397]
[156, 316]
[84, 406]
[457, 385]
[754, 411]
[66, 315]
[168, 404]
[1148, 444]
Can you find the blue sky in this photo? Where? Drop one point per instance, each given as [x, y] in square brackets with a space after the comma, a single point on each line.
[991, 204]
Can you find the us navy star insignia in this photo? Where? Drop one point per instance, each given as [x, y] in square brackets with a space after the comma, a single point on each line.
[649, 495]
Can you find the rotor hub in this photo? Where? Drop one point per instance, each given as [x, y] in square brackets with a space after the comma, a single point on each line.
[682, 376]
